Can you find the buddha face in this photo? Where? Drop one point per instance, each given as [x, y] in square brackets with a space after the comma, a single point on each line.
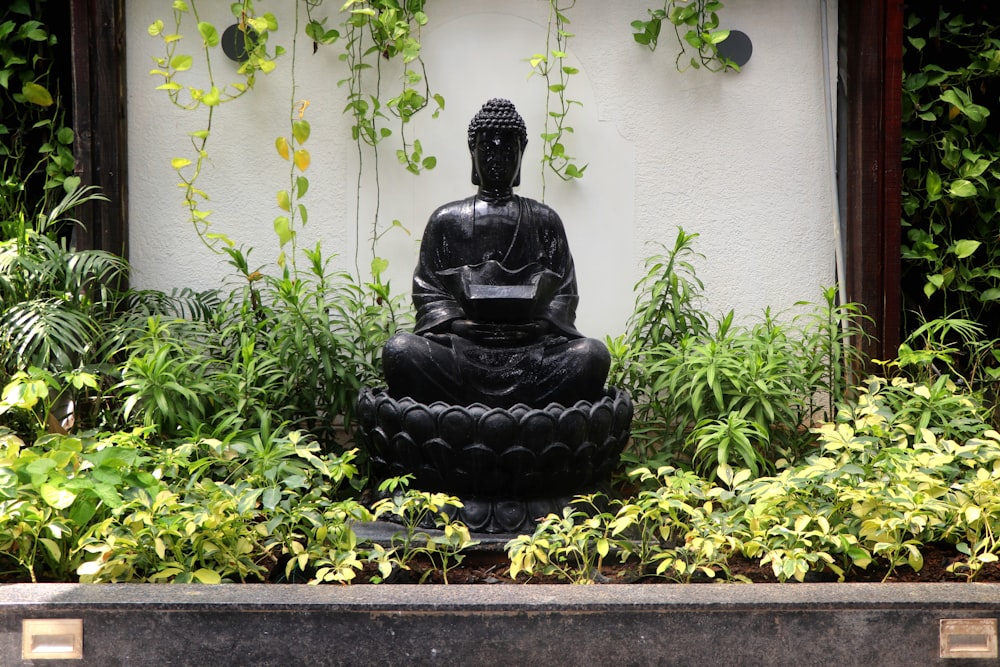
[496, 158]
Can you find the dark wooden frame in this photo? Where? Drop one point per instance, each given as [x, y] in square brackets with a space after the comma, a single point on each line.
[99, 120]
[871, 64]
[870, 69]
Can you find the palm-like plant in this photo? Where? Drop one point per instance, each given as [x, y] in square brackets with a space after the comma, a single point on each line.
[54, 301]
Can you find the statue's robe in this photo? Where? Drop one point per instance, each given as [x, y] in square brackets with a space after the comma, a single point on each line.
[519, 243]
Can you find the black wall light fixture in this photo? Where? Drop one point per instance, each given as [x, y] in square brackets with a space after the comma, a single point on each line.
[737, 47]
[235, 40]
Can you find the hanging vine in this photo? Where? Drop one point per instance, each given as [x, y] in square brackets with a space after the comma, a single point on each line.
[373, 32]
[377, 32]
[696, 26]
[293, 150]
[551, 65]
[172, 66]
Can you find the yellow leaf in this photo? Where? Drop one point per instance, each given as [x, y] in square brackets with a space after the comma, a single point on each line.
[179, 162]
[212, 97]
[302, 159]
[206, 576]
[972, 513]
[282, 145]
[284, 200]
[37, 94]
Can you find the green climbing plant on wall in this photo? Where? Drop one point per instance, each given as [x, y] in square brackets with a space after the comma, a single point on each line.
[205, 93]
[36, 158]
[696, 26]
[372, 32]
[376, 32]
[551, 65]
[951, 170]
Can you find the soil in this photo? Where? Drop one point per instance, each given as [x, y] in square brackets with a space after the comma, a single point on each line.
[492, 567]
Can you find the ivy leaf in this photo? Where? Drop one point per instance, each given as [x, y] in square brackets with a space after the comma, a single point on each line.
[992, 294]
[718, 36]
[52, 547]
[271, 497]
[965, 247]
[282, 145]
[300, 130]
[182, 63]
[37, 94]
[302, 159]
[212, 97]
[282, 227]
[208, 33]
[962, 188]
[284, 200]
[933, 185]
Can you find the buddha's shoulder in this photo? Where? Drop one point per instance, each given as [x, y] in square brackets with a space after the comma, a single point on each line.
[538, 208]
[453, 211]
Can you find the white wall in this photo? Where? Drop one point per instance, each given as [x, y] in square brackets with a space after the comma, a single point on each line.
[739, 158]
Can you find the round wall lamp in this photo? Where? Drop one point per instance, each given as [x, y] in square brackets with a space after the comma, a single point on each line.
[737, 47]
[234, 42]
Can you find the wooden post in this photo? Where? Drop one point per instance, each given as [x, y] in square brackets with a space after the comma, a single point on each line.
[871, 75]
[99, 121]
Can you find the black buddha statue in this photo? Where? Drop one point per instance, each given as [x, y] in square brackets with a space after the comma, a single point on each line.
[495, 293]
[496, 397]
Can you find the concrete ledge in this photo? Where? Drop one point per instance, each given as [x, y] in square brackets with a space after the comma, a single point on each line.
[707, 624]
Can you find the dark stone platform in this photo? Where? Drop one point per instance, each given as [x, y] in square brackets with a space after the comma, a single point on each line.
[706, 624]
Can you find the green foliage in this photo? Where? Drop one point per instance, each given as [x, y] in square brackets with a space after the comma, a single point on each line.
[572, 546]
[295, 348]
[696, 25]
[386, 29]
[429, 531]
[373, 30]
[672, 530]
[892, 473]
[174, 66]
[226, 511]
[881, 486]
[60, 320]
[115, 508]
[551, 66]
[667, 309]
[289, 200]
[951, 253]
[738, 393]
[52, 492]
[36, 158]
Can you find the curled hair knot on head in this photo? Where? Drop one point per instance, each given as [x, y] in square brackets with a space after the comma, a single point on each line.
[498, 114]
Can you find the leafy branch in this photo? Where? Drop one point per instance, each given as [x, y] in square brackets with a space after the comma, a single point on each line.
[696, 25]
[192, 97]
[552, 67]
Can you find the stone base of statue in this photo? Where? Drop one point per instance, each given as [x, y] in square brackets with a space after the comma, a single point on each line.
[509, 466]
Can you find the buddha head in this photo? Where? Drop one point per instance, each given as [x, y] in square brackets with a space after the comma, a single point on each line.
[497, 138]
